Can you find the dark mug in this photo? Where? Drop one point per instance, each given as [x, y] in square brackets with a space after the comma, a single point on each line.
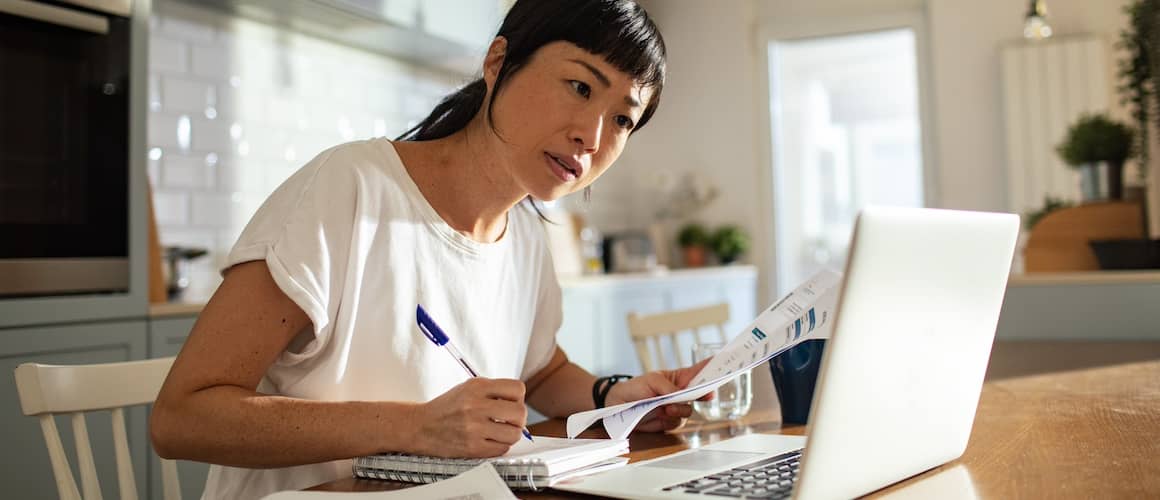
[795, 373]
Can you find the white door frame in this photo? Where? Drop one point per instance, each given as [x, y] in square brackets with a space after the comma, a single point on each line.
[769, 31]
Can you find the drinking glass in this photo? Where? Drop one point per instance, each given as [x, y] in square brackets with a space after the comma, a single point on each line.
[732, 399]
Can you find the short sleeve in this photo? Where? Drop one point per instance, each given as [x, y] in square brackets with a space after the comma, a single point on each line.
[303, 233]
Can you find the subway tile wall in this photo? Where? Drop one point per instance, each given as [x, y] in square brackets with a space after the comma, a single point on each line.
[235, 107]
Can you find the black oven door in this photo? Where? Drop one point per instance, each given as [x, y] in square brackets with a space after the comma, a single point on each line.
[64, 149]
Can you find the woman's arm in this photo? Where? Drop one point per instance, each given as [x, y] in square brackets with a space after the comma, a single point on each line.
[562, 388]
[209, 410]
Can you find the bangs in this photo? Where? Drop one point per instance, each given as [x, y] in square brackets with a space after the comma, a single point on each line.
[626, 38]
[620, 31]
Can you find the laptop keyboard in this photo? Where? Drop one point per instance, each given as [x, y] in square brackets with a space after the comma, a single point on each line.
[766, 478]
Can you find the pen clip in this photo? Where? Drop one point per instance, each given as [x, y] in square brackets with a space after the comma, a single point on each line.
[428, 327]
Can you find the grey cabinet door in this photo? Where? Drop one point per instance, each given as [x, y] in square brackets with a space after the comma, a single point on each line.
[166, 336]
[26, 472]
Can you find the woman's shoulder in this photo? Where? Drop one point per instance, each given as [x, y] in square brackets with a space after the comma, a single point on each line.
[368, 156]
[354, 167]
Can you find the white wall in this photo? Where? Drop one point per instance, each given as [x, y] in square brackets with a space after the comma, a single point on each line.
[707, 120]
[966, 37]
[711, 118]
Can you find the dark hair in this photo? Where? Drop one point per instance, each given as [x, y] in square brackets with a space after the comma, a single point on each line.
[618, 30]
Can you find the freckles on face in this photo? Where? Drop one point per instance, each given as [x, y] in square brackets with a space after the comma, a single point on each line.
[565, 107]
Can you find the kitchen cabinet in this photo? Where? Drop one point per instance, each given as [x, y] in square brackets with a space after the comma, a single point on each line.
[595, 329]
[27, 473]
[166, 336]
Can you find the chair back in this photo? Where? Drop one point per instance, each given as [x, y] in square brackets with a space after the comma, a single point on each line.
[1061, 240]
[49, 390]
[649, 331]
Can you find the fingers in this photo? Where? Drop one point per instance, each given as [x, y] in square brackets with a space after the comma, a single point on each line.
[499, 388]
[485, 448]
[502, 433]
[686, 375]
[658, 422]
[678, 410]
[671, 423]
[515, 414]
[659, 384]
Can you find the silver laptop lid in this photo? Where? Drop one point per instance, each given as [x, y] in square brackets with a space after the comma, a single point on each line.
[916, 319]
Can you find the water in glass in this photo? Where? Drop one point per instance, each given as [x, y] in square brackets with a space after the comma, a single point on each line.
[732, 399]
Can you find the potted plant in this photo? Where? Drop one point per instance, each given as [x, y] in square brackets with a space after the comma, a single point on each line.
[1137, 71]
[693, 240]
[729, 242]
[1095, 145]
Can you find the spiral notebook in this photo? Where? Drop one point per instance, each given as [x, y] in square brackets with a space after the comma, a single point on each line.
[527, 465]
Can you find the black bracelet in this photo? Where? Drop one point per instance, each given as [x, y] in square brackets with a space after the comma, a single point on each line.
[602, 385]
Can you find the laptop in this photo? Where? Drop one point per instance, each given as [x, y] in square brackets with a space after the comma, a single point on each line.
[900, 377]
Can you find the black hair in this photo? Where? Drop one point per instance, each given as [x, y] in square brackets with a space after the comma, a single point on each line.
[619, 30]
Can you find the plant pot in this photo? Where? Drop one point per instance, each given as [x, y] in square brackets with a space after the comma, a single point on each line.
[694, 256]
[1101, 181]
[1127, 254]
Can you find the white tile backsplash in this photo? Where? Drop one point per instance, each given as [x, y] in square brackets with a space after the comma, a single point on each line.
[231, 178]
[278, 98]
[182, 94]
[170, 208]
[212, 135]
[162, 130]
[167, 55]
[187, 172]
[186, 29]
[213, 61]
[213, 209]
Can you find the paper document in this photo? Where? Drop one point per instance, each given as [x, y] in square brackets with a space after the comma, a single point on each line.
[480, 483]
[805, 314]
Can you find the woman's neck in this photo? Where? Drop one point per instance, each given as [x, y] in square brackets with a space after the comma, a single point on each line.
[464, 180]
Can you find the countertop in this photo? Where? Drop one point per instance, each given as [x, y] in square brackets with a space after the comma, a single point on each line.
[1086, 278]
[656, 275]
[168, 309]
[193, 306]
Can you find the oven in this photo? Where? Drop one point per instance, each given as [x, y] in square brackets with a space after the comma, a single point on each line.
[64, 147]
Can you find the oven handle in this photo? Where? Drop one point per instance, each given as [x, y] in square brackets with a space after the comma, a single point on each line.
[56, 15]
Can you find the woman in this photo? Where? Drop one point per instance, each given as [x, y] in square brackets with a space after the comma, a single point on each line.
[308, 353]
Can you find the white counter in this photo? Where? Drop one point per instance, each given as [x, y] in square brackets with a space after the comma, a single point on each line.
[1093, 306]
[1085, 278]
[668, 275]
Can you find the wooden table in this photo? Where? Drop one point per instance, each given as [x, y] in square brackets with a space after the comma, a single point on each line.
[1084, 434]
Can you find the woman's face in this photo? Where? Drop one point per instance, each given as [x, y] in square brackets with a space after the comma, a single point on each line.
[563, 118]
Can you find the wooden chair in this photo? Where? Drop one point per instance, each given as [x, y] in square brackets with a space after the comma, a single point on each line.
[48, 390]
[652, 329]
[1059, 241]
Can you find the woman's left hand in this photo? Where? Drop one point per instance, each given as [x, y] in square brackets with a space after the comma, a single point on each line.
[656, 383]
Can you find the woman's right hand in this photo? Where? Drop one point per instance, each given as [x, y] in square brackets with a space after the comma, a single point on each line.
[479, 418]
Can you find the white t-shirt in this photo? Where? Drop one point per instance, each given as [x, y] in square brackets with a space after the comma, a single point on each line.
[353, 242]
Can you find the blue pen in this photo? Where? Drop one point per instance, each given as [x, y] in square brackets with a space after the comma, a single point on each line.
[433, 332]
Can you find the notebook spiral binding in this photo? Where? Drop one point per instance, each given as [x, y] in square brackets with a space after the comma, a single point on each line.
[416, 469]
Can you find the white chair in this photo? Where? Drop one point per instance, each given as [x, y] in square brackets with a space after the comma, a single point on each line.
[651, 329]
[48, 390]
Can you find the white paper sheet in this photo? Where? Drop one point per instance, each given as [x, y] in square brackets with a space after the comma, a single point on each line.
[480, 483]
[806, 313]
